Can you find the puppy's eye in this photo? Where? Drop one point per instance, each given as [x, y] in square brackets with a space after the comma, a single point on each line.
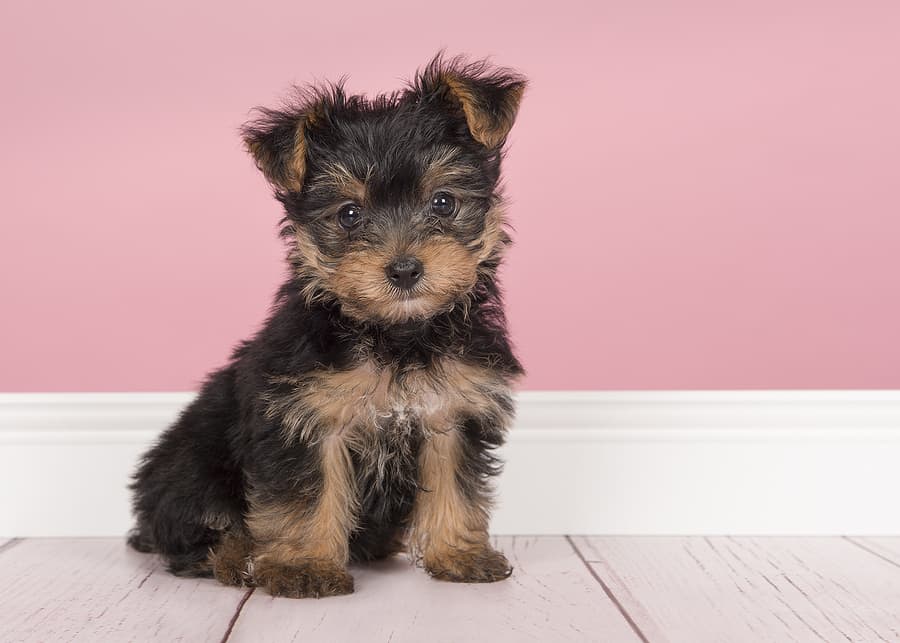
[349, 216]
[443, 205]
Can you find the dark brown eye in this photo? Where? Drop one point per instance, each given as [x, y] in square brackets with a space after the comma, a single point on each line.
[443, 205]
[349, 216]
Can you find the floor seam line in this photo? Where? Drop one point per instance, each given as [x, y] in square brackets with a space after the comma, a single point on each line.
[871, 551]
[236, 615]
[10, 544]
[631, 622]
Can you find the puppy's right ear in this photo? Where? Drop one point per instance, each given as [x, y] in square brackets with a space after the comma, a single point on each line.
[487, 96]
[277, 142]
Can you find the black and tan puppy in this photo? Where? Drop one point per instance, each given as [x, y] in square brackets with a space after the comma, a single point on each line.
[361, 419]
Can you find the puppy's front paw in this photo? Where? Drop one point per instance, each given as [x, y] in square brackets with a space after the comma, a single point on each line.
[311, 579]
[483, 565]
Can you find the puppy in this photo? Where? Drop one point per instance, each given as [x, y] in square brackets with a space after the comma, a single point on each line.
[361, 420]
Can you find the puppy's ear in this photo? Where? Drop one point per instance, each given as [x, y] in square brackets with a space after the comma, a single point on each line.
[488, 96]
[277, 140]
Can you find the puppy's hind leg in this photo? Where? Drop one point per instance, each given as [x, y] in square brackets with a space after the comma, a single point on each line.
[188, 488]
[231, 558]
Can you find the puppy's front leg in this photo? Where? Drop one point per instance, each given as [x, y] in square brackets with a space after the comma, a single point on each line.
[302, 544]
[450, 519]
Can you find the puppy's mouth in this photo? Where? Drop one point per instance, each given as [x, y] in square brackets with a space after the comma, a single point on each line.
[415, 303]
[408, 295]
[412, 300]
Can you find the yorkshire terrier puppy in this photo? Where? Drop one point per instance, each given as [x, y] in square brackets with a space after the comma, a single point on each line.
[362, 418]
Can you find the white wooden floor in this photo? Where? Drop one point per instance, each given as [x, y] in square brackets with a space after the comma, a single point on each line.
[605, 589]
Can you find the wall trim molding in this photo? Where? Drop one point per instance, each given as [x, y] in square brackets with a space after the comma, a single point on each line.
[654, 462]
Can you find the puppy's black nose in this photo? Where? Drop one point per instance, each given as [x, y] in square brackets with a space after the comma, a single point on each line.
[405, 272]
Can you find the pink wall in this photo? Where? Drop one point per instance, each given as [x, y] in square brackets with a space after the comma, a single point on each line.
[703, 197]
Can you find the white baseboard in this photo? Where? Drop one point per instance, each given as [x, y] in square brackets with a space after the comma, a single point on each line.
[680, 462]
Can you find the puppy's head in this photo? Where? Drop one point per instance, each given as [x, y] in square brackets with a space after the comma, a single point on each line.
[392, 204]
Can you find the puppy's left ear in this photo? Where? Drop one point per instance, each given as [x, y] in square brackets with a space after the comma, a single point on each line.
[277, 142]
[488, 96]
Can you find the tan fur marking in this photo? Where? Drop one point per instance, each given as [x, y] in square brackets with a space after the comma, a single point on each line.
[230, 559]
[487, 129]
[450, 270]
[443, 170]
[293, 533]
[309, 262]
[359, 398]
[339, 179]
[449, 529]
[347, 399]
[298, 162]
[493, 239]
[266, 162]
[359, 281]
[443, 521]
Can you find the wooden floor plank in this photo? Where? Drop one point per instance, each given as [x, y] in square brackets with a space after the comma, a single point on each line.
[99, 590]
[550, 597]
[885, 547]
[699, 590]
[689, 589]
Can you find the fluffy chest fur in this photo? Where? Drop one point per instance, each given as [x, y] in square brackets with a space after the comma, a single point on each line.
[370, 401]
